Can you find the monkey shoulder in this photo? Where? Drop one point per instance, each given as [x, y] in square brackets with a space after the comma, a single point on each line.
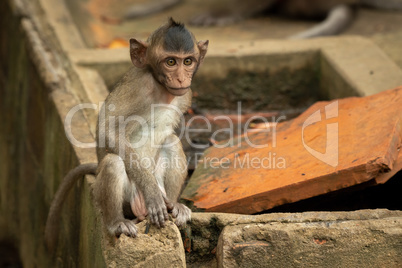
[133, 89]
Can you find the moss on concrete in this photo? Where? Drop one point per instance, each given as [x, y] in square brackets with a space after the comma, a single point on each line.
[258, 91]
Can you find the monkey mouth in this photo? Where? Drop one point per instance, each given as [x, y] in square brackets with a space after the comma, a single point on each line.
[178, 88]
[178, 91]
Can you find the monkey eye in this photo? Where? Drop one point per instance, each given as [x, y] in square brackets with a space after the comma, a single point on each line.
[170, 62]
[188, 61]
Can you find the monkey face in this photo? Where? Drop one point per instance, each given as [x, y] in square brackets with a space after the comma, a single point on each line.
[176, 72]
[173, 67]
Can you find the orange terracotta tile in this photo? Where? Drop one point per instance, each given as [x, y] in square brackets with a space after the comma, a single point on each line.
[332, 145]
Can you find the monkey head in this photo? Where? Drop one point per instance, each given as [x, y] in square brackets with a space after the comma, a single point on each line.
[172, 54]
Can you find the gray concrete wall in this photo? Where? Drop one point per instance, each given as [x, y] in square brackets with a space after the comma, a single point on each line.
[36, 154]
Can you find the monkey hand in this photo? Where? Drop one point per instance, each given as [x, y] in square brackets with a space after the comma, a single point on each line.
[157, 211]
[178, 211]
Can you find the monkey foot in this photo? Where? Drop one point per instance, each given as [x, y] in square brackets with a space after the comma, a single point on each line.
[126, 227]
[181, 213]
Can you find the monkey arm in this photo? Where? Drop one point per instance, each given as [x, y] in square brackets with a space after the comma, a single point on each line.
[147, 184]
[174, 177]
[176, 172]
[53, 219]
[337, 20]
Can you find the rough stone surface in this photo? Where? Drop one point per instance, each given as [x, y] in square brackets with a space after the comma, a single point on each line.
[289, 236]
[159, 248]
[332, 145]
[363, 243]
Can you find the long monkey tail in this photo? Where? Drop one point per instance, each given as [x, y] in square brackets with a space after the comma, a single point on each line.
[53, 218]
[337, 20]
[381, 4]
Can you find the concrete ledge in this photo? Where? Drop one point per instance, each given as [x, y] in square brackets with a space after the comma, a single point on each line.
[310, 239]
[370, 243]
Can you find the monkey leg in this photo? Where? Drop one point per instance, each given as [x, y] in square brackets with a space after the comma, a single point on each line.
[214, 18]
[172, 171]
[238, 11]
[149, 8]
[337, 20]
[381, 4]
[110, 191]
[179, 211]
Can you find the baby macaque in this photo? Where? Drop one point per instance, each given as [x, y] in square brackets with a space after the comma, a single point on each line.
[141, 160]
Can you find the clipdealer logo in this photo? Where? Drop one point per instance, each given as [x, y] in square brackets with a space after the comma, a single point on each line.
[331, 155]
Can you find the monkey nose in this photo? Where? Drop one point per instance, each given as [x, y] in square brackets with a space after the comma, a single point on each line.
[180, 79]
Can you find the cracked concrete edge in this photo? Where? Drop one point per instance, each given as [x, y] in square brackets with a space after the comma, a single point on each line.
[225, 219]
[52, 34]
[342, 244]
[62, 24]
[62, 91]
[56, 74]
[85, 83]
[91, 90]
[211, 229]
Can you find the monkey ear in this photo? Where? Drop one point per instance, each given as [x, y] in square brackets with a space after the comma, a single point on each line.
[138, 51]
[203, 47]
